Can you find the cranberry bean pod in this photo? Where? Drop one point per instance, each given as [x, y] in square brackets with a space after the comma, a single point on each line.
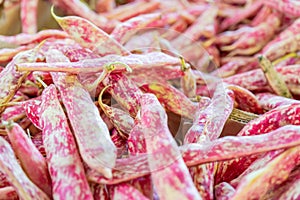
[270, 121]
[37, 140]
[14, 113]
[119, 118]
[16, 176]
[124, 91]
[255, 80]
[241, 15]
[270, 101]
[90, 36]
[169, 174]
[29, 16]
[10, 80]
[261, 16]
[32, 161]
[245, 99]
[254, 40]
[208, 126]
[32, 110]
[282, 47]
[291, 30]
[173, 99]
[257, 164]
[289, 7]
[25, 38]
[95, 145]
[290, 188]
[267, 176]
[228, 37]
[81, 9]
[199, 28]
[127, 29]
[65, 166]
[7, 54]
[132, 9]
[142, 62]
[126, 191]
[225, 148]
[119, 141]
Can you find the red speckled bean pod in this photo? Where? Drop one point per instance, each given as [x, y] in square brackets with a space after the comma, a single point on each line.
[119, 118]
[155, 60]
[16, 176]
[260, 162]
[127, 29]
[173, 99]
[288, 189]
[270, 101]
[90, 36]
[137, 145]
[37, 140]
[136, 140]
[13, 113]
[25, 38]
[210, 121]
[255, 80]
[188, 83]
[290, 7]
[32, 110]
[272, 120]
[65, 166]
[81, 9]
[7, 54]
[95, 145]
[290, 31]
[126, 191]
[282, 47]
[10, 79]
[261, 16]
[228, 37]
[241, 15]
[257, 183]
[124, 91]
[161, 74]
[208, 126]
[254, 40]
[32, 161]
[235, 66]
[224, 148]
[169, 174]
[118, 141]
[267, 122]
[133, 9]
[245, 99]
[204, 26]
[29, 16]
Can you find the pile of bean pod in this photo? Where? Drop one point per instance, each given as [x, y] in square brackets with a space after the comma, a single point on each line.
[142, 99]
